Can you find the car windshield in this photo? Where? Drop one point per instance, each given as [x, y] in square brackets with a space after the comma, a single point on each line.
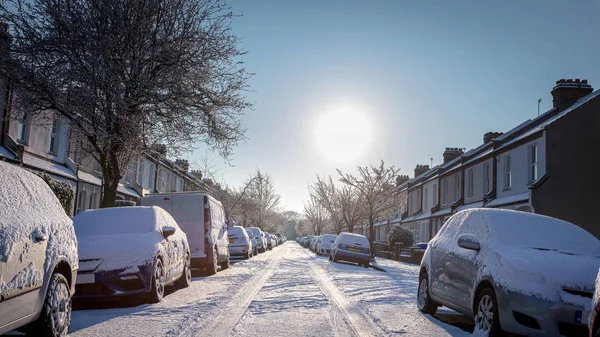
[112, 221]
[328, 238]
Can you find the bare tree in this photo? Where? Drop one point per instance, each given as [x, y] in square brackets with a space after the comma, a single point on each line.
[327, 195]
[376, 185]
[261, 202]
[352, 207]
[316, 214]
[130, 74]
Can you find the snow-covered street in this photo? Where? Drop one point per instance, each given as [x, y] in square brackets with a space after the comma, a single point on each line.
[287, 291]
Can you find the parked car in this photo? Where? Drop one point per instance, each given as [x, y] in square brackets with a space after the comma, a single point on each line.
[38, 256]
[593, 320]
[202, 219]
[299, 239]
[352, 248]
[254, 242]
[130, 251]
[307, 241]
[269, 241]
[313, 244]
[240, 243]
[523, 273]
[325, 245]
[260, 237]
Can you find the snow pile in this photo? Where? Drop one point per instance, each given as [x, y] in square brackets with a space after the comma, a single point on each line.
[30, 209]
[529, 253]
[127, 237]
[595, 300]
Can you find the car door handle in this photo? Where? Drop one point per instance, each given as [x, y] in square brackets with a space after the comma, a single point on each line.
[40, 237]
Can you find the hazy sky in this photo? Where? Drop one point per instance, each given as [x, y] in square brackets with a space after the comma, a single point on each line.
[413, 77]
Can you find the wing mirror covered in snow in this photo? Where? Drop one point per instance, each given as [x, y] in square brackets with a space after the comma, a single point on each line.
[469, 241]
[168, 231]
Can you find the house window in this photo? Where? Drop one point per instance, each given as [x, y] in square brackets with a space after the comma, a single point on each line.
[53, 143]
[140, 172]
[435, 194]
[456, 187]
[181, 185]
[470, 183]
[97, 167]
[22, 127]
[486, 178]
[533, 163]
[81, 201]
[92, 201]
[507, 171]
[419, 204]
[445, 193]
[425, 201]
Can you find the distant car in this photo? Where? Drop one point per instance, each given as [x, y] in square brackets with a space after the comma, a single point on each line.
[254, 242]
[523, 273]
[269, 241]
[307, 241]
[325, 245]
[240, 243]
[202, 218]
[352, 248]
[594, 320]
[260, 237]
[130, 251]
[38, 256]
[314, 243]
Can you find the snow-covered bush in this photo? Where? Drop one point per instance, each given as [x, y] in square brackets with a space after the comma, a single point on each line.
[400, 235]
[124, 203]
[63, 191]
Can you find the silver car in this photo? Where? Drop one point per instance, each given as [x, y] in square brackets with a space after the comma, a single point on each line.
[254, 240]
[240, 243]
[519, 272]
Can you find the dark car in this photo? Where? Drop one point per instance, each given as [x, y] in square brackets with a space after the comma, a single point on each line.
[352, 248]
[130, 251]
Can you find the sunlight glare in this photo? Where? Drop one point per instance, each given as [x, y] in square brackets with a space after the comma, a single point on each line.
[342, 134]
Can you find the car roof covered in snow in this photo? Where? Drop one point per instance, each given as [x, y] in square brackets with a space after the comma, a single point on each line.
[237, 230]
[119, 220]
[351, 238]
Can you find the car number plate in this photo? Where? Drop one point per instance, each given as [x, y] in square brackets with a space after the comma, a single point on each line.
[86, 278]
[354, 250]
[582, 317]
[231, 240]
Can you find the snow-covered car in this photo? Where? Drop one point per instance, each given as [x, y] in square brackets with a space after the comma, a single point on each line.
[352, 248]
[275, 241]
[325, 245]
[254, 241]
[594, 319]
[130, 251]
[240, 243]
[38, 256]
[307, 240]
[261, 245]
[314, 243]
[269, 241]
[523, 273]
[202, 218]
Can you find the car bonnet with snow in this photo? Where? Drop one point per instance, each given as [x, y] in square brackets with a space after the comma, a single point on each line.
[353, 242]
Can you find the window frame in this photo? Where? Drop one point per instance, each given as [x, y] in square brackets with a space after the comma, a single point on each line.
[23, 127]
[470, 183]
[54, 138]
[507, 171]
[457, 189]
[533, 170]
[486, 178]
[425, 196]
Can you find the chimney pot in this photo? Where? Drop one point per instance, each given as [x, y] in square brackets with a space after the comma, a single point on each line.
[420, 169]
[567, 92]
[584, 81]
[577, 80]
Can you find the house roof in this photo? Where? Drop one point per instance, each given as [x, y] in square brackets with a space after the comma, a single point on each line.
[48, 166]
[511, 199]
[89, 178]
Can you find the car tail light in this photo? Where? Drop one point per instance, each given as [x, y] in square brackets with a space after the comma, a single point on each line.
[206, 219]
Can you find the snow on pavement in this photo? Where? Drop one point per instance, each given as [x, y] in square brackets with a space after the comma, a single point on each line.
[288, 291]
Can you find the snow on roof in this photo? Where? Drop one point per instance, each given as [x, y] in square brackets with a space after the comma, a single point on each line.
[442, 212]
[422, 216]
[481, 154]
[395, 220]
[89, 178]
[408, 219]
[29, 206]
[4, 152]
[128, 191]
[508, 200]
[514, 130]
[48, 166]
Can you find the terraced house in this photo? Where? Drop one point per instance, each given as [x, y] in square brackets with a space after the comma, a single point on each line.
[545, 165]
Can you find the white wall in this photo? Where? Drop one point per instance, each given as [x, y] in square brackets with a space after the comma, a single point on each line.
[519, 167]
[429, 189]
[414, 200]
[451, 195]
[478, 181]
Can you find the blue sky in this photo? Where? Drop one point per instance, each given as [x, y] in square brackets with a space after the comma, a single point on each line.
[425, 74]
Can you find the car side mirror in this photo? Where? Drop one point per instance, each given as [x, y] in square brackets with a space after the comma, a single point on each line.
[469, 241]
[168, 231]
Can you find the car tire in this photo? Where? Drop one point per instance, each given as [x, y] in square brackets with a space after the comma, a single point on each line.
[366, 265]
[486, 306]
[424, 302]
[330, 258]
[225, 264]
[214, 266]
[186, 279]
[55, 317]
[334, 258]
[157, 291]
[247, 256]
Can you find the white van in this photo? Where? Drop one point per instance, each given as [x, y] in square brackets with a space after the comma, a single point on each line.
[202, 218]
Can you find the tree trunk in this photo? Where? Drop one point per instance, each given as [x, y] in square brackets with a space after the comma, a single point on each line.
[110, 181]
[371, 235]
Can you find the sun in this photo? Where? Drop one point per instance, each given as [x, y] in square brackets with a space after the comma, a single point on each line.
[342, 133]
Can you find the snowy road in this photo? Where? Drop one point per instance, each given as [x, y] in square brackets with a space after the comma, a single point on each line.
[288, 291]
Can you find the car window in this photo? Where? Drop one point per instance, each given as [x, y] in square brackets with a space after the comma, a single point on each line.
[118, 220]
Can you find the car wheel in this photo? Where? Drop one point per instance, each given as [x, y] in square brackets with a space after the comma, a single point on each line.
[214, 266]
[247, 256]
[486, 313]
[186, 279]
[55, 318]
[226, 263]
[334, 259]
[366, 265]
[157, 292]
[424, 302]
[330, 258]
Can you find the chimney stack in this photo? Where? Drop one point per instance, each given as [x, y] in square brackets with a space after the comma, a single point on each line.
[568, 91]
[420, 169]
[197, 173]
[488, 136]
[401, 180]
[452, 152]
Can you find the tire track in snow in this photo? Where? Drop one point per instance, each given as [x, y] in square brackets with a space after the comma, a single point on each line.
[359, 322]
[223, 322]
